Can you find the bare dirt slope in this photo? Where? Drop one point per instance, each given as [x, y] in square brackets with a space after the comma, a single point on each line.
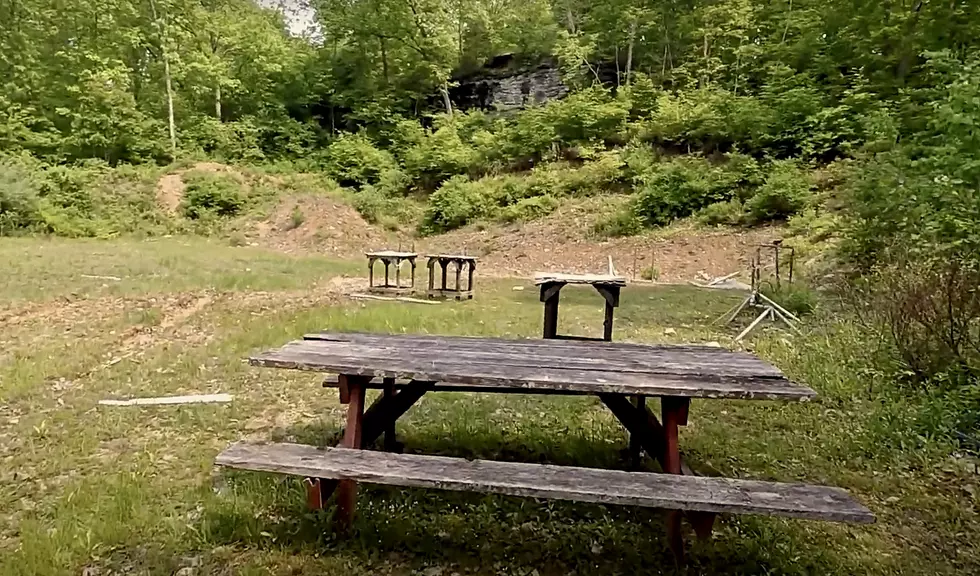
[560, 242]
[328, 226]
[563, 242]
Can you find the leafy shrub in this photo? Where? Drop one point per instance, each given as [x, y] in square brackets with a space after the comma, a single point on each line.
[353, 160]
[390, 211]
[621, 223]
[438, 156]
[18, 198]
[678, 189]
[797, 298]
[528, 209]
[587, 116]
[457, 202]
[927, 315]
[209, 194]
[651, 273]
[296, 218]
[784, 193]
[728, 213]
[239, 140]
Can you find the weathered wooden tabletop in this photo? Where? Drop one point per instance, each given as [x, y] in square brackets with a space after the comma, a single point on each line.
[592, 279]
[689, 371]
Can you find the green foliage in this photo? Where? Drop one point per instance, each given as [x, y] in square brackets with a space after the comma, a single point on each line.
[784, 193]
[209, 195]
[457, 202]
[438, 156]
[528, 209]
[651, 273]
[797, 298]
[296, 217]
[680, 187]
[727, 213]
[353, 160]
[620, 223]
[393, 212]
[19, 208]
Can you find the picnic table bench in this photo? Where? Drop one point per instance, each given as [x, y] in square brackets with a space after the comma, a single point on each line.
[407, 367]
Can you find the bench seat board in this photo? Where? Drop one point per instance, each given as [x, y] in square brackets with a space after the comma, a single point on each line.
[721, 495]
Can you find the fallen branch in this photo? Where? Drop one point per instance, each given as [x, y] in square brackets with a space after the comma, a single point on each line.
[166, 400]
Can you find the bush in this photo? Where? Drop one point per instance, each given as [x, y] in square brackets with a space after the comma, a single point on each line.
[796, 298]
[457, 202]
[18, 198]
[352, 160]
[785, 192]
[438, 156]
[622, 223]
[728, 213]
[209, 194]
[528, 209]
[679, 188]
[391, 212]
[651, 273]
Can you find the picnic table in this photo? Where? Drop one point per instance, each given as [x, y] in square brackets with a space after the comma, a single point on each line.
[406, 367]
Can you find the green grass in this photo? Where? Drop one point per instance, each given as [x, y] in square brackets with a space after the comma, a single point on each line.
[133, 490]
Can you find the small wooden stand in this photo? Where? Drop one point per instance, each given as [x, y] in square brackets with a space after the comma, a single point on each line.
[389, 258]
[551, 285]
[444, 260]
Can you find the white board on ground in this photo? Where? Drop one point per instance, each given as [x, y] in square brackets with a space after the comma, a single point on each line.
[167, 400]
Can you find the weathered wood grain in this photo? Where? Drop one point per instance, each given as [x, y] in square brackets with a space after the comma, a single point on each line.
[570, 366]
[668, 491]
[676, 364]
[594, 279]
[549, 351]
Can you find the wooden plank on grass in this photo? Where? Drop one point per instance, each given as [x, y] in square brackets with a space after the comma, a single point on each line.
[169, 400]
[676, 492]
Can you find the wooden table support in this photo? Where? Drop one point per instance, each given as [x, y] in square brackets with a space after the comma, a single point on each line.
[661, 442]
[551, 285]
[444, 261]
[347, 489]
[389, 258]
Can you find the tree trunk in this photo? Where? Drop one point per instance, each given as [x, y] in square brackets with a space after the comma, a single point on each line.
[570, 18]
[618, 84]
[166, 76]
[445, 98]
[384, 60]
[629, 52]
[217, 102]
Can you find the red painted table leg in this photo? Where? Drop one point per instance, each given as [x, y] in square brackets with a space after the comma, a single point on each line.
[674, 412]
[347, 489]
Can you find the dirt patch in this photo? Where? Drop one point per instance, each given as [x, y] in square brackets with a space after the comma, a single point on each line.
[326, 226]
[562, 242]
[170, 192]
[171, 187]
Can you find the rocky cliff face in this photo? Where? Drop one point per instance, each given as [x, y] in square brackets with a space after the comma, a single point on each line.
[502, 86]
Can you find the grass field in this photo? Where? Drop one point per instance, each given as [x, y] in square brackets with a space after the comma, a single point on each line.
[111, 490]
